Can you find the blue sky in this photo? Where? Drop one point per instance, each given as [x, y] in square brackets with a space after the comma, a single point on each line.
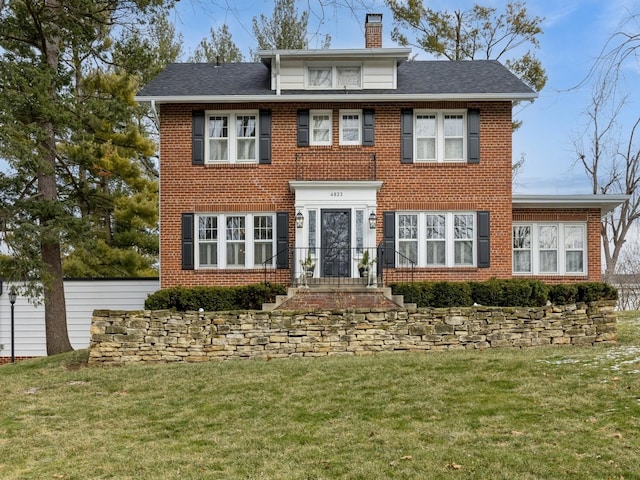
[575, 32]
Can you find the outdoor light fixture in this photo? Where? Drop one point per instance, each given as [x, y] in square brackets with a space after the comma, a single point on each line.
[299, 219]
[372, 220]
[12, 299]
[1, 282]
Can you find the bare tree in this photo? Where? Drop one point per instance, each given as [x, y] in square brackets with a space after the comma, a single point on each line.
[612, 164]
[610, 155]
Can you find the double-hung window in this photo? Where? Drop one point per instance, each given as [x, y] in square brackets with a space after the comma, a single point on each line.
[437, 239]
[440, 136]
[321, 124]
[350, 127]
[549, 248]
[235, 240]
[232, 137]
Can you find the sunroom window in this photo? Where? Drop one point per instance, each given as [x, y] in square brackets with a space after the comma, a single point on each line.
[549, 249]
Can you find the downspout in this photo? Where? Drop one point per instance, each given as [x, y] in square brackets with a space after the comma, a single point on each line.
[277, 74]
[155, 114]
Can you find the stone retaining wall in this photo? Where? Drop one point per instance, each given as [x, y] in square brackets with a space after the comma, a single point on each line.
[119, 337]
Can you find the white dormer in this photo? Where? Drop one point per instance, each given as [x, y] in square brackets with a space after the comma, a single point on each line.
[349, 69]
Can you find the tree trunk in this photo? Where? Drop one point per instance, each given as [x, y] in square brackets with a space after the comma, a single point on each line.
[55, 308]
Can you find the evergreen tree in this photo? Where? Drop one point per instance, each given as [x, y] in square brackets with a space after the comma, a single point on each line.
[219, 48]
[284, 30]
[45, 47]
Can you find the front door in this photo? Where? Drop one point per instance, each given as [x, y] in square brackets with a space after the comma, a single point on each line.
[335, 260]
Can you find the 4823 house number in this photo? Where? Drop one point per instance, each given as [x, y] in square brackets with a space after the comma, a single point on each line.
[336, 194]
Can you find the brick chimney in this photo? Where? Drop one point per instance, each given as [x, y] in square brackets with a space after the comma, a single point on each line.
[373, 30]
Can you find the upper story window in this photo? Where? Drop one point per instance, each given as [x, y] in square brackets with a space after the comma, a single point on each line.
[232, 137]
[350, 127]
[334, 76]
[549, 248]
[440, 136]
[321, 126]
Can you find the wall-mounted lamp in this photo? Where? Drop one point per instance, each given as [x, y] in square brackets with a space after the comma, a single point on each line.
[372, 220]
[1, 282]
[299, 219]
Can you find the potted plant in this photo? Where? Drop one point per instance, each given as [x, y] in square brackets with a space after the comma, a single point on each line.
[364, 265]
[308, 265]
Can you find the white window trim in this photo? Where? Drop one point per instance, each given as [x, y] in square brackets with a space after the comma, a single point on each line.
[439, 150]
[249, 241]
[334, 76]
[351, 112]
[449, 238]
[312, 140]
[561, 249]
[233, 138]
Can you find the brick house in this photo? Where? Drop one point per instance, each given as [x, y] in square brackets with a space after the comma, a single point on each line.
[326, 154]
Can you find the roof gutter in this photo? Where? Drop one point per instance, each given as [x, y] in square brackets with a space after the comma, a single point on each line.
[606, 203]
[341, 96]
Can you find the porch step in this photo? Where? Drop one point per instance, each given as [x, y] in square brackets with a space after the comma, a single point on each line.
[329, 295]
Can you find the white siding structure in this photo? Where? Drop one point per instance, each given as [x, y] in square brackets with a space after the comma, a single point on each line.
[82, 298]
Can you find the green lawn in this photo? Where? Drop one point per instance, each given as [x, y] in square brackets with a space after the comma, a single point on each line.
[540, 413]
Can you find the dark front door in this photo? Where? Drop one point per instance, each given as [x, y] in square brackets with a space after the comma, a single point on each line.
[336, 243]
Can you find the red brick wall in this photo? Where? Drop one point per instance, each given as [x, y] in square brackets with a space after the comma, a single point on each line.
[211, 188]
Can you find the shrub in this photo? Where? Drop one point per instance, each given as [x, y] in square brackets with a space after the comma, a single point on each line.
[502, 293]
[211, 299]
[510, 293]
[563, 294]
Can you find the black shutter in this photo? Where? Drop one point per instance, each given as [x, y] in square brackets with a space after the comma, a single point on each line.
[303, 128]
[197, 137]
[473, 136]
[187, 241]
[484, 260]
[406, 125]
[264, 147]
[368, 130]
[389, 239]
[282, 240]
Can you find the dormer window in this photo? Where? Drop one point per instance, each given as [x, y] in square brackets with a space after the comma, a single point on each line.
[333, 77]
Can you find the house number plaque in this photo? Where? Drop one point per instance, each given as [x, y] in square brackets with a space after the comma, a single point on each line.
[336, 194]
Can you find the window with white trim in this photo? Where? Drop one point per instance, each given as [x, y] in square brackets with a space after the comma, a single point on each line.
[321, 126]
[440, 136]
[226, 241]
[549, 248]
[350, 127]
[329, 77]
[232, 137]
[437, 239]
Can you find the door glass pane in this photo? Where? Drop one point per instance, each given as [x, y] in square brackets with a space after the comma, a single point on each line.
[336, 243]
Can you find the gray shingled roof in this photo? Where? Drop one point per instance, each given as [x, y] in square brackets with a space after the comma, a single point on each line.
[414, 78]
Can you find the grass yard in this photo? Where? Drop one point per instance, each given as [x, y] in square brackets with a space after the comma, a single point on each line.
[540, 413]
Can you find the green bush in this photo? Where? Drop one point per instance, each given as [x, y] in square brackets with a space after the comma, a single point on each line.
[563, 294]
[510, 293]
[211, 299]
[501, 293]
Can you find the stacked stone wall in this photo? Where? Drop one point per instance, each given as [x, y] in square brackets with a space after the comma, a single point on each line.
[119, 337]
